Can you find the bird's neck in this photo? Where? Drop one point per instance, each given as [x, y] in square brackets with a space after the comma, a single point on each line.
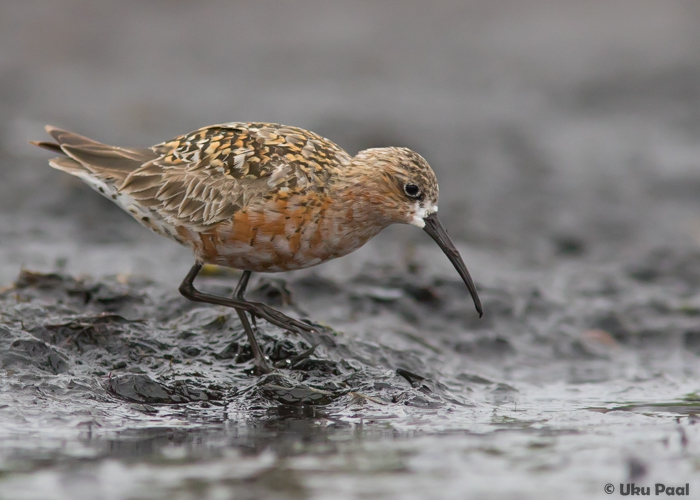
[359, 196]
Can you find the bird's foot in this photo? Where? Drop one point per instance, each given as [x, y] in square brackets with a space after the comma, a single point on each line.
[279, 319]
[295, 360]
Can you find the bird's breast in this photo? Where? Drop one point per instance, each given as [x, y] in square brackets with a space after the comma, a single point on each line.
[283, 234]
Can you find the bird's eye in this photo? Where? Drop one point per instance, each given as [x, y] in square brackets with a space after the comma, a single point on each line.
[412, 191]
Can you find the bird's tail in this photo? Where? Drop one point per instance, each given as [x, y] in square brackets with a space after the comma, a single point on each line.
[92, 161]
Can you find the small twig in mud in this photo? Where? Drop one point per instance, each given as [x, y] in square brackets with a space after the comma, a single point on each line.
[420, 341]
[412, 378]
[360, 396]
[123, 278]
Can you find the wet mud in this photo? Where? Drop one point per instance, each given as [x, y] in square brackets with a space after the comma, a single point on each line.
[121, 379]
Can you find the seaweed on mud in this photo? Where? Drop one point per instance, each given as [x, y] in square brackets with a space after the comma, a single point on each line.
[117, 330]
[145, 344]
[151, 372]
[143, 389]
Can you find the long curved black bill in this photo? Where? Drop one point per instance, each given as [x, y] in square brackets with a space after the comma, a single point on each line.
[437, 231]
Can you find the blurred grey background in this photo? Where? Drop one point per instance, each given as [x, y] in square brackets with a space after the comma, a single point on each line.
[557, 128]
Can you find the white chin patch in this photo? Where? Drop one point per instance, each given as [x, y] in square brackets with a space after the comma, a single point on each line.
[421, 213]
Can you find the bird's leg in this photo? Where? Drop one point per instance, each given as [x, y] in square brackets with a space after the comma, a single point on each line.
[259, 309]
[242, 285]
[188, 290]
[239, 294]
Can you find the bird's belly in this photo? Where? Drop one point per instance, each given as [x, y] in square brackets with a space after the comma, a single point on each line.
[274, 242]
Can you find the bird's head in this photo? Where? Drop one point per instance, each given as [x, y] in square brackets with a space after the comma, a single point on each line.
[398, 186]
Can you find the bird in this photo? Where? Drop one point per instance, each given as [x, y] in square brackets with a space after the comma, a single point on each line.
[260, 197]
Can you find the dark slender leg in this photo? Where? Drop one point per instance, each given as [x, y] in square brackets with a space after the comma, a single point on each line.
[258, 308]
[242, 285]
[239, 294]
[240, 305]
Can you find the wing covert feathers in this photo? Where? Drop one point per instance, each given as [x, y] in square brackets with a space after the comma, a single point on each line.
[205, 177]
[202, 178]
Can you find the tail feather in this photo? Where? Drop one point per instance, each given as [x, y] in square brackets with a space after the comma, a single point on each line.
[68, 165]
[105, 168]
[109, 164]
[51, 146]
[64, 137]
[102, 159]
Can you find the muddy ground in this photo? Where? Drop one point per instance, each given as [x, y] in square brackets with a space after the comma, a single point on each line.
[564, 136]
